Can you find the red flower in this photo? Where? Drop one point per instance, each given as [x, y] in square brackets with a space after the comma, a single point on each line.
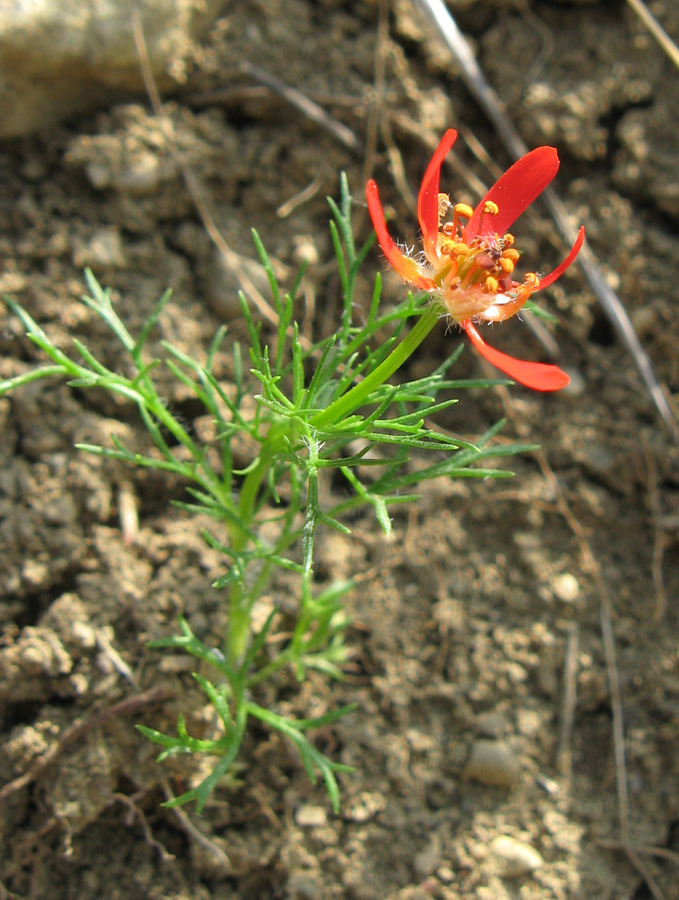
[471, 267]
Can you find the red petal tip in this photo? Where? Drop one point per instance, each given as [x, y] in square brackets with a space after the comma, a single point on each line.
[558, 272]
[514, 191]
[428, 197]
[538, 376]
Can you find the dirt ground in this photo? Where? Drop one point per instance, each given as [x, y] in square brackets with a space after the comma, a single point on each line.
[478, 627]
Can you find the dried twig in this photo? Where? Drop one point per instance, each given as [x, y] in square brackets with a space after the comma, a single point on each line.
[77, 729]
[231, 257]
[656, 29]
[300, 101]
[642, 850]
[128, 513]
[116, 660]
[660, 538]
[592, 568]
[195, 833]
[303, 196]
[412, 129]
[374, 109]
[492, 105]
[135, 812]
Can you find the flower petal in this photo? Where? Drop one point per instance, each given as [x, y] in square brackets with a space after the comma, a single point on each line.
[514, 192]
[538, 376]
[405, 266]
[558, 272]
[428, 198]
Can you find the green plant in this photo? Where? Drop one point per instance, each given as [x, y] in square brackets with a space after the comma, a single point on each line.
[318, 410]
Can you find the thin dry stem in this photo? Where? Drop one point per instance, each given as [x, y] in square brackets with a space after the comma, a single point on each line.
[128, 513]
[78, 728]
[642, 850]
[660, 540]
[398, 171]
[483, 93]
[135, 812]
[379, 78]
[592, 568]
[196, 835]
[306, 194]
[116, 660]
[656, 29]
[301, 102]
[231, 257]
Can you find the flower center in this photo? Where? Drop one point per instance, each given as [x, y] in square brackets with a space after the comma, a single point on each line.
[476, 275]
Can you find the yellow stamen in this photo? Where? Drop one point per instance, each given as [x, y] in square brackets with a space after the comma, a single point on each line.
[446, 245]
[490, 208]
[531, 280]
[463, 210]
[511, 254]
[508, 240]
[491, 285]
[506, 265]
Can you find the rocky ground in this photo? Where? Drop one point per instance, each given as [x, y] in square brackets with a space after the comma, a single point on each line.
[480, 628]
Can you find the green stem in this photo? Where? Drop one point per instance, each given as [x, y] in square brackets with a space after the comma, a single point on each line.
[253, 480]
[355, 397]
[239, 626]
[240, 599]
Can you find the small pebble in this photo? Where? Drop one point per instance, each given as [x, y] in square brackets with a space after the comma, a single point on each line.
[492, 762]
[83, 635]
[173, 665]
[548, 785]
[644, 320]
[222, 283]
[577, 386]
[309, 816]
[304, 250]
[34, 168]
[445, 874]
[528, 722]
[99, 175]
[566, 587]
[514, 857]
[140, 179]
[102, 252]
[366, 806]
[599, 460]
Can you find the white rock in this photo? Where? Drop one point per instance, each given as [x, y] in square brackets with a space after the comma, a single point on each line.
[104, 250]
[566, 587]
[222, 283]
[308, 816]
[514, 857]
[59, 58]
[492, 762]
[577, 385]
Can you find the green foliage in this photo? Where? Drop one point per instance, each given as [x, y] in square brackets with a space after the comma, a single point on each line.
[325, 407]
